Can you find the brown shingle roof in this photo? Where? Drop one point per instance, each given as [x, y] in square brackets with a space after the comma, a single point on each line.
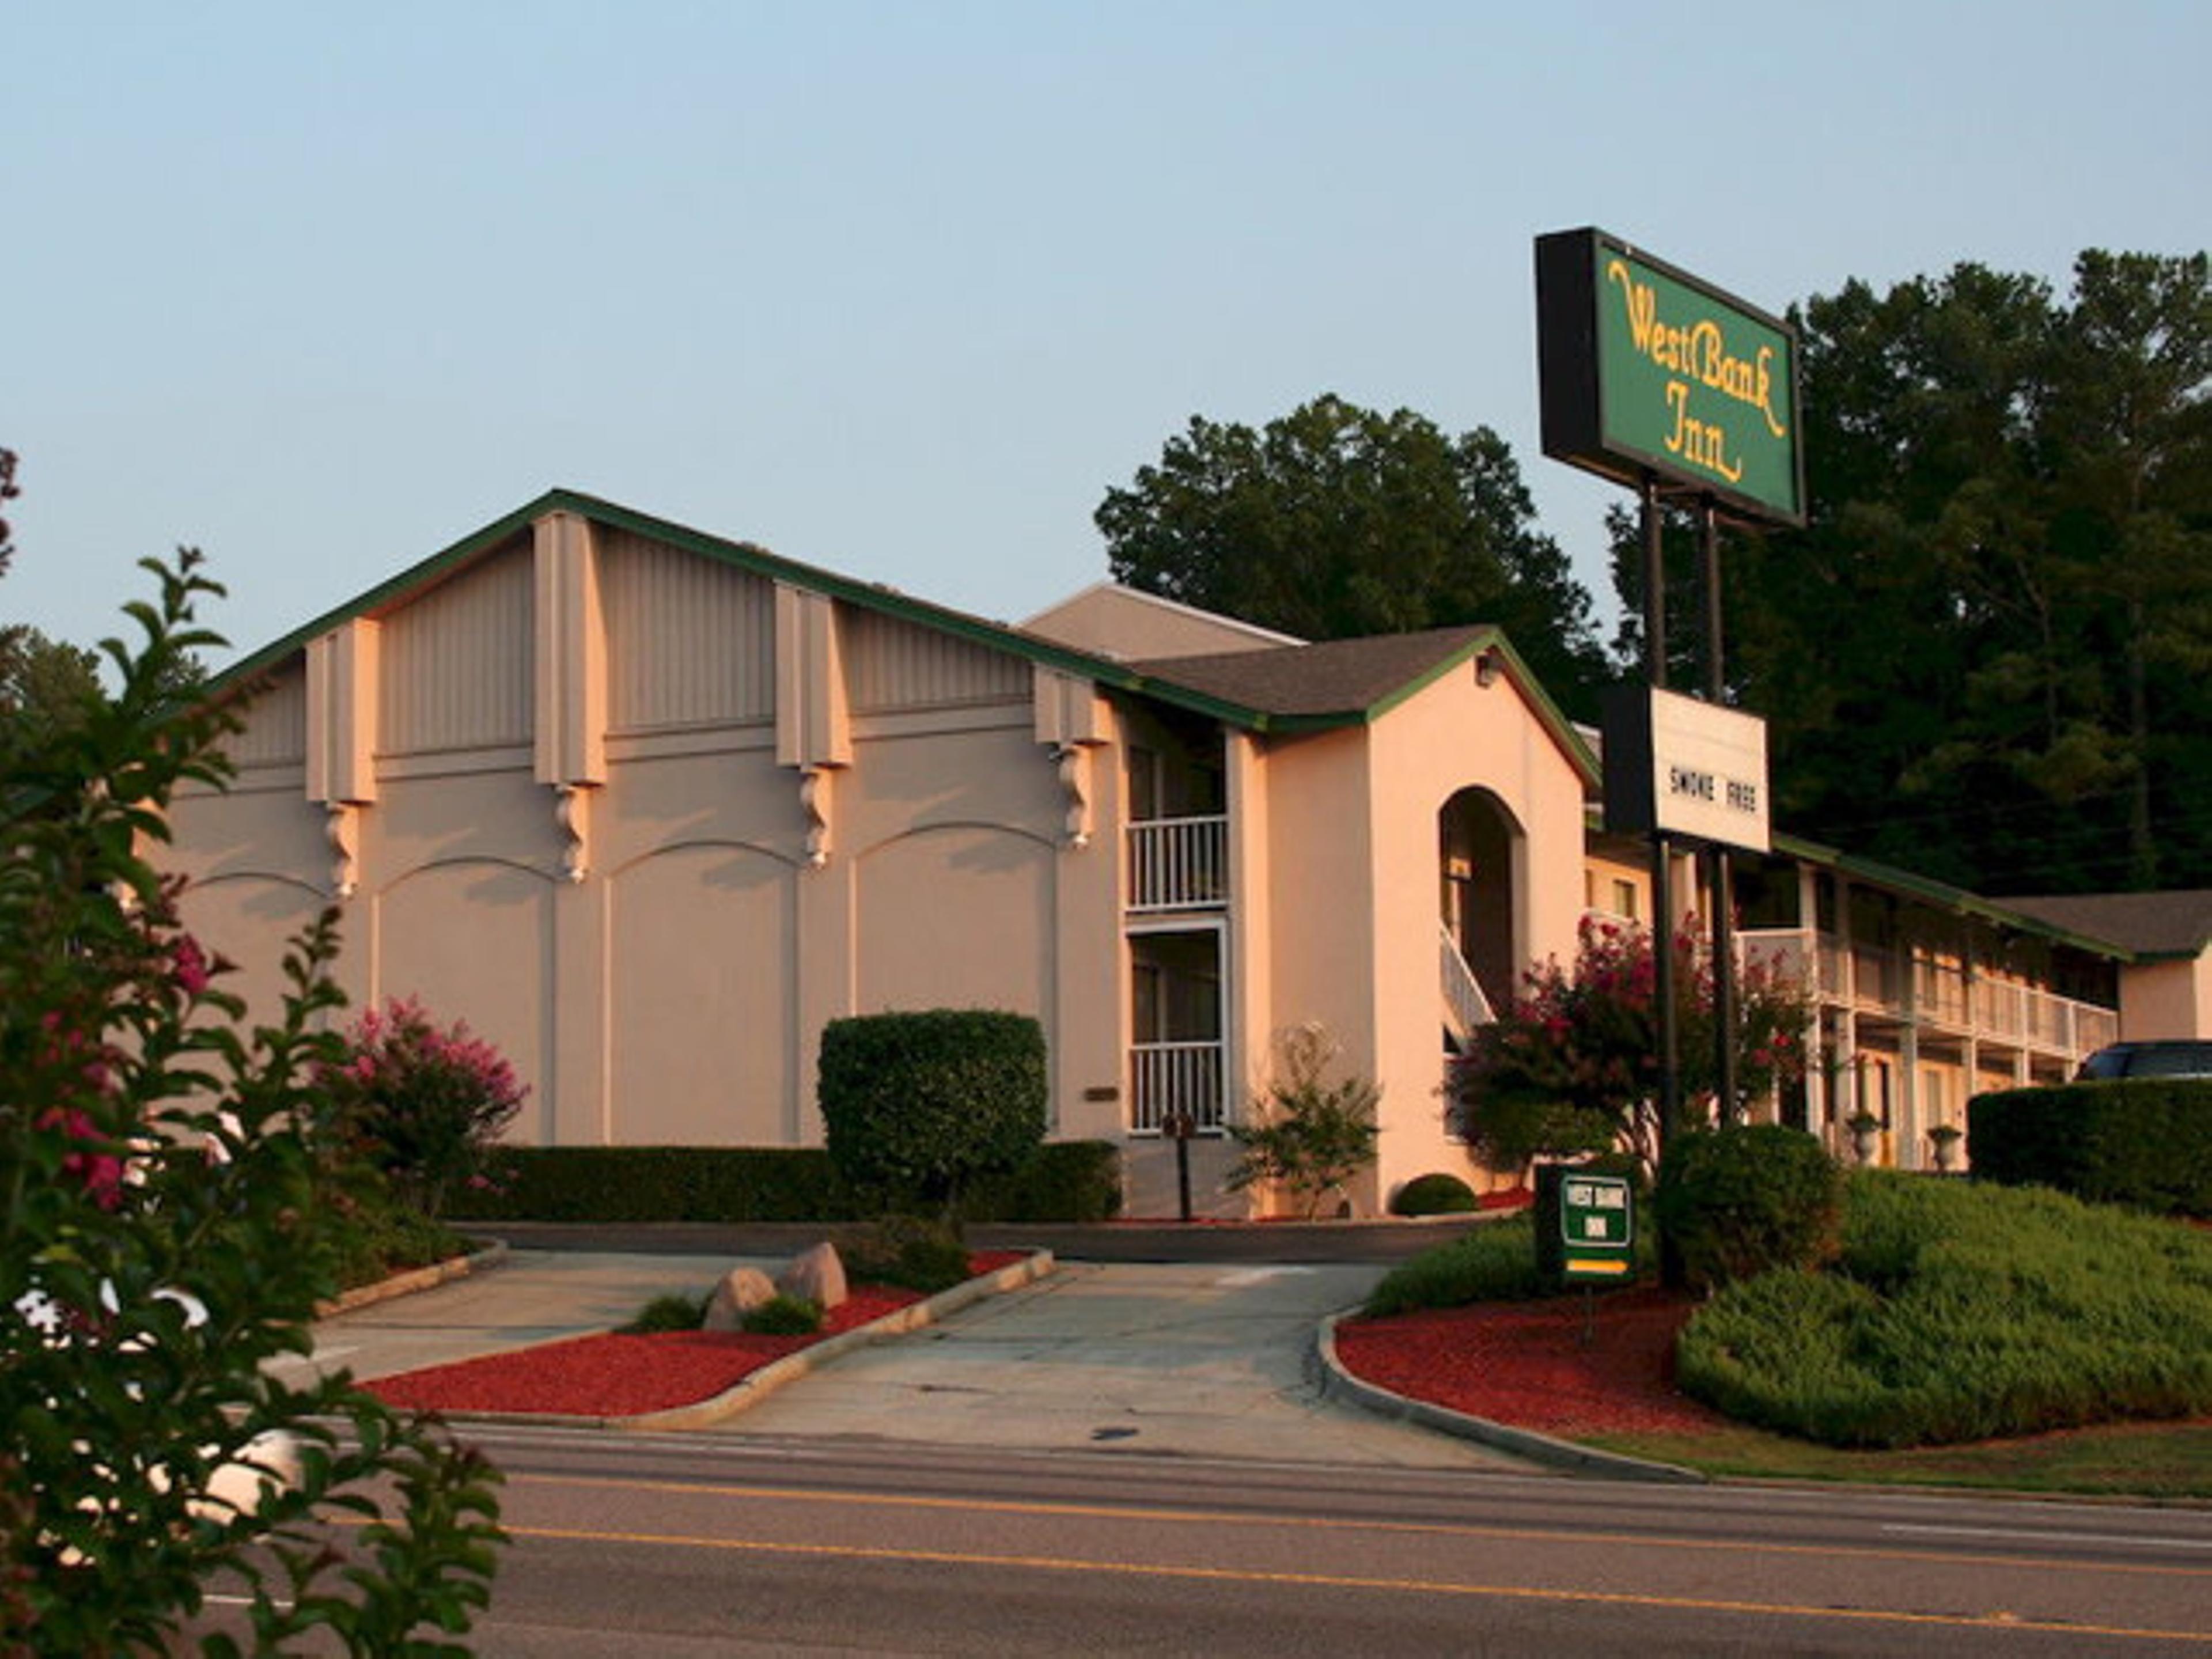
[2178, 924]
[1332, 678]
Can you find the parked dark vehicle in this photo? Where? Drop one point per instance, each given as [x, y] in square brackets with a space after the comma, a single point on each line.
[2171, 1059]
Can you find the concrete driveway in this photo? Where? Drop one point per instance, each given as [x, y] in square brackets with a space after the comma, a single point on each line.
[1210, 1360]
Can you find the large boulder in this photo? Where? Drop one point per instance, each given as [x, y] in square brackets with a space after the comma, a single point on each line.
[817, 1275]
[742, 1289]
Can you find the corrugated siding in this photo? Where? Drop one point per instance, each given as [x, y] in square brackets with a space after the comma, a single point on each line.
[276, 732]
[890, 664]
[690, 643]
[457, 663]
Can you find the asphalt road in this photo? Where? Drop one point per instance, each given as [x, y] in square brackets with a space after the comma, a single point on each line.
[692, 1548]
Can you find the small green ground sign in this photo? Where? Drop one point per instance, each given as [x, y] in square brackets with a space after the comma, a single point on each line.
[1597, 1227]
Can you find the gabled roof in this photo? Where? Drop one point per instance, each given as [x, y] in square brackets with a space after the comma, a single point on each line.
[2155, 927]
[1333, 682]
[1367, 677]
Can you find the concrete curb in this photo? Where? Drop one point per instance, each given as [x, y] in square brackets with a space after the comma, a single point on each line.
[749, 1391]
[1338, 1383]
[418, 1279]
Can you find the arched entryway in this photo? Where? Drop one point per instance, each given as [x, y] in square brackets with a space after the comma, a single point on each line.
[1479, 864]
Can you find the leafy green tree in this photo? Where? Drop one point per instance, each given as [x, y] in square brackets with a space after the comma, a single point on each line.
[1336, 520]
[43, 683]
[1573, 1065]
[9, 491]
[172, 1198]
[1984, 655]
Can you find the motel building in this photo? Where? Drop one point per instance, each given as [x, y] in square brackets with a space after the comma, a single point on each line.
[647, 808]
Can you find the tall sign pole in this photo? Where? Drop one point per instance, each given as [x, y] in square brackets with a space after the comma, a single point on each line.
[1724, 884]
[1658, 380]
[1662, 873]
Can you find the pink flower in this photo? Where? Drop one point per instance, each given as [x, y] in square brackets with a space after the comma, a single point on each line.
[100, 1174]
[192, 968]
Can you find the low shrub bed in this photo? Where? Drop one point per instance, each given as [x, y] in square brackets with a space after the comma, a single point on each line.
[1960, 1311]
[1495, 1262]
[380, 1240]
[1064, 1180]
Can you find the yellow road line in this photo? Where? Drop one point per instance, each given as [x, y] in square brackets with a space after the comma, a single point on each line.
[1328, 1524]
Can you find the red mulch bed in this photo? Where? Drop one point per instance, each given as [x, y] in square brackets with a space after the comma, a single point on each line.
[1525, 1363]
[621, 1375]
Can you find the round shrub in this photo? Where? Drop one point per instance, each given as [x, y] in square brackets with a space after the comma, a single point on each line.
[916, 1105]
[1737, 1202]
[1435, 1194]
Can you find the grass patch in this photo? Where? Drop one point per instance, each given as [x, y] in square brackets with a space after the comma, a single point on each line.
[2169, 1462]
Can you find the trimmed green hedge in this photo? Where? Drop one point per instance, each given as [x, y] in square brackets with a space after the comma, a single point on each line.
[1065, 1181]
[919, 1106]
[2145, 1142]
[1963, 1311]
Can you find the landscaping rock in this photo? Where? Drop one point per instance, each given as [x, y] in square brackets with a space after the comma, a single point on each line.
[817, 1275]
[742, 1289]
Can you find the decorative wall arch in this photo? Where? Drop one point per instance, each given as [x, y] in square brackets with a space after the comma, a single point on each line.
[701, 1003]
[248, 918]
[472, 938]
[957, 914]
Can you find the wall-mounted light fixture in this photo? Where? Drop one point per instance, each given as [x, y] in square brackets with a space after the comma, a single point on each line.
[1487, 668]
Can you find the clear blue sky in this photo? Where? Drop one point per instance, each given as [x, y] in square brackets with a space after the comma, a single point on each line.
[902, 288]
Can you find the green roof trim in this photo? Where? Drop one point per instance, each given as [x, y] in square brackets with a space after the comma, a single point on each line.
[744, 556]
[871, 596]
[1946, 896]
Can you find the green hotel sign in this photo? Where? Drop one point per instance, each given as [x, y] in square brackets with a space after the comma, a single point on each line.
[1648, 372]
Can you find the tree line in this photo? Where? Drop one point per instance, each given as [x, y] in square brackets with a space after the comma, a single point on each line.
[1983, 658]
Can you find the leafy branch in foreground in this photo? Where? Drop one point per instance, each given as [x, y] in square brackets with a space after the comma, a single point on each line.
[172, 1197]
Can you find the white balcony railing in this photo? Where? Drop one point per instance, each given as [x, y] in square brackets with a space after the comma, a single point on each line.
[1167, 1077]
[1179, 864]
[1910, 986]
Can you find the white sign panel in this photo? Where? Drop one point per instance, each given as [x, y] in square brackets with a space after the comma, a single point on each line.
[1709, 771]
[1687, 767]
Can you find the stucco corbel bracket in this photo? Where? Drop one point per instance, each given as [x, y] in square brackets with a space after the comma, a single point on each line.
[572, 816]
[817, 804]
[1074, 760]
[1071, 721]
[342, 830]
